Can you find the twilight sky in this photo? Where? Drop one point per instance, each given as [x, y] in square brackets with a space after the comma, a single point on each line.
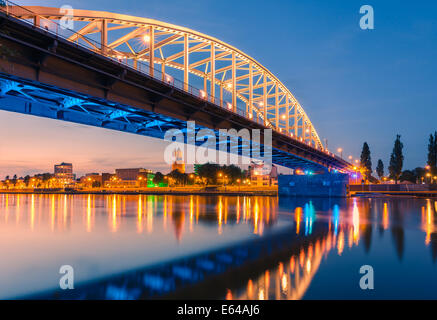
[355, 85]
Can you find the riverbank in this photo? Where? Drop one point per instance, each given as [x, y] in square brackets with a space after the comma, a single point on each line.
[182, 191]
[418, 194]
[401, 190]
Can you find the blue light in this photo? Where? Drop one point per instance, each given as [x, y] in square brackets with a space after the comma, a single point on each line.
[310, 217]
[336, 214]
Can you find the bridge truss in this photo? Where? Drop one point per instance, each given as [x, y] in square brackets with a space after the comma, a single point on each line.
[228, 77]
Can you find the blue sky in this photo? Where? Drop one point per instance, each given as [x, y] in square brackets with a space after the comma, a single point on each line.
[355, 85]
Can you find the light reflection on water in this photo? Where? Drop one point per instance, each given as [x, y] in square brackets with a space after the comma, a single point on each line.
[62, 212]
[102, 235]
[293, 278]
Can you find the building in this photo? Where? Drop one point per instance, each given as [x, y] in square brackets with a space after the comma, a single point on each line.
[179, 163]
[106, 177]
[64, 173]
[91, 180]
[132, 177]
[131, 174]
[263, 176]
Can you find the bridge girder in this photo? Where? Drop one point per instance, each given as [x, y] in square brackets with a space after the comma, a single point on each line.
[60, 104]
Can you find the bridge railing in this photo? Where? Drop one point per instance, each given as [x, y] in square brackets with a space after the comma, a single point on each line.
[62, 31]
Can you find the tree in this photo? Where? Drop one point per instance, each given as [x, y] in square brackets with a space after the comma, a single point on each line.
[209, 171]
[396, 159]
[233, 172]
[26, 180]
[158, 178]
[14, 180]
[44, 176]
[409, 176]
[95, 184]
[419, 173]
[380, 169]
[432, 153]
[366, 161]
[179, 177]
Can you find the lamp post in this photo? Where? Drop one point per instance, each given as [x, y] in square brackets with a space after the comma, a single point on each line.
[220, 175]
[340, 150]
[356, 175]
[428, 168]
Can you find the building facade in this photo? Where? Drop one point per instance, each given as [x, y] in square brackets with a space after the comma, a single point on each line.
[64, 173]
[132, 177]
[131, 174]
[263, 176]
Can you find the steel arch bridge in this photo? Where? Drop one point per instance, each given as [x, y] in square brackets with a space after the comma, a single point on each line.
[228, 77]
[132, 84]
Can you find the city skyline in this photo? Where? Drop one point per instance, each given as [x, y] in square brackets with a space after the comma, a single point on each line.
[86, 155]
[357, 90]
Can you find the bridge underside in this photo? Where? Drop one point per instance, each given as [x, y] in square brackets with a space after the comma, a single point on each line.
[37, 99]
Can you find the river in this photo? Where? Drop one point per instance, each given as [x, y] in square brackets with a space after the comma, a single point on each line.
[218, 247]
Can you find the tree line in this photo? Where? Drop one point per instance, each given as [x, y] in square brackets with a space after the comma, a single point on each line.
[396, 163]
[207, 173]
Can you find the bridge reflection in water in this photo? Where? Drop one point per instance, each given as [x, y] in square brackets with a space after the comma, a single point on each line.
[290, 279]
[276, 254]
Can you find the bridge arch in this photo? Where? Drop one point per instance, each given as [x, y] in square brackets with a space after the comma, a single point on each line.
[228, 77]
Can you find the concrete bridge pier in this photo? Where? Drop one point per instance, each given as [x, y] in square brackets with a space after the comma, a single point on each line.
[317, 185]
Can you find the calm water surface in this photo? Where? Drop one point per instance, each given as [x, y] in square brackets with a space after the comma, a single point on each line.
[218, 247]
